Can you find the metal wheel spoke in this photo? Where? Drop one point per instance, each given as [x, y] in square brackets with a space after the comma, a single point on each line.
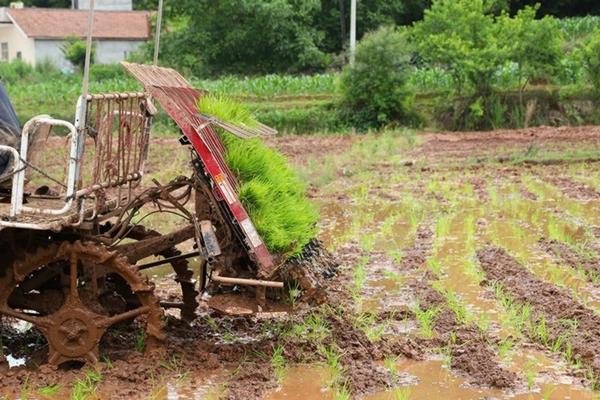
[106, 322]
[73, 292]
[40, 322]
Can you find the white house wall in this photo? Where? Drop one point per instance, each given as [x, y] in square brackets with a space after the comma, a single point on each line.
[114, 51]
[17, 42]
[119, 5]
[51, 50]
[107, 51]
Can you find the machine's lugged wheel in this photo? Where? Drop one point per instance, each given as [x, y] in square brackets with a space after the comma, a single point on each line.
[73, 292]
[181, 268]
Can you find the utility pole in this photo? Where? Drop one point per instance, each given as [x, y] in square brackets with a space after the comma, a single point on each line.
[88, 49]
[157, 33]
[352, 30]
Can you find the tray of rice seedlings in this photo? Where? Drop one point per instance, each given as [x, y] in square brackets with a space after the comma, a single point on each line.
[270, 190]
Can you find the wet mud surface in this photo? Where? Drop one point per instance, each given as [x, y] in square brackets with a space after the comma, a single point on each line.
[471, 351]
[575, 190]
[564, 316]
[388, 223]
[589, 263]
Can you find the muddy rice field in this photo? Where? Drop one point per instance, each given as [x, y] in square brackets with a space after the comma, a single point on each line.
[468, 268]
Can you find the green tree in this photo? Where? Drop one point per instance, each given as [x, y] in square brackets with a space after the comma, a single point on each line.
[534, 45]
[374, 91]
[590, 54]
[247, 36]
[334, 18]
[74, 49]
[461, 37]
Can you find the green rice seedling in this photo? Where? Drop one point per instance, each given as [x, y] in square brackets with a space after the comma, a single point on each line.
[333, 361]
[463, 316]
[294, 293]
[442, 226]
[172, 364]
[342, 393]
[367, 242]
[279, 363]
[107, 362]
[140, 341]
[504, 348]
[446, 354]
[359, 277]
[470, 228]
[50, 390]
[426, 319]
[367, 322]
[472, 270]
[547, 392]
[392, 275]
[26, 390]
[530, 375]
[483, 322]
[402, 393]
[395, 254]
[85, 388]
[434, 265]
[541, 331]
[270, 190]
[390, 364]
[316, 327]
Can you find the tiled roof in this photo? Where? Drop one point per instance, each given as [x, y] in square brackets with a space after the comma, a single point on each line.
[48, 23]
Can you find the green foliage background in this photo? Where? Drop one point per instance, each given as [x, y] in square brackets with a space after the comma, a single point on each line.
[374, 90]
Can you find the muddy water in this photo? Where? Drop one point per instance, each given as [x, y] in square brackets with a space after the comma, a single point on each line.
[303, 382]
[517, 226]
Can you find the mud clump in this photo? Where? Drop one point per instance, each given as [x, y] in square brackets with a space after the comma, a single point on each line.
[360, 355]
[310, 269]
[563, 315]
[575, 190]
[416, 255]
[472, 352]
[588, 262]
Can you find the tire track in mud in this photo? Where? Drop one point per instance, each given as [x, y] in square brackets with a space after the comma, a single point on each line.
[563, 252]
[558, 310]
[472, 351]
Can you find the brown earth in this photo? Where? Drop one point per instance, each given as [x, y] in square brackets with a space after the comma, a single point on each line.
[574, 190]
[472, 351]
[472, 144]
[589, 263]
[559, 310]
[214, 343]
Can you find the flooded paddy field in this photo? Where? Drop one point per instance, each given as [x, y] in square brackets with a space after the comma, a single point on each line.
[469, 268]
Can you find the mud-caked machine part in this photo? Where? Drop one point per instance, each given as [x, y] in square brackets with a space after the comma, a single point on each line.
[72, 292]
[184, 276]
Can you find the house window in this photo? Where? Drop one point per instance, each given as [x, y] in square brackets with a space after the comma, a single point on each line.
[4, 51]
[19, 55]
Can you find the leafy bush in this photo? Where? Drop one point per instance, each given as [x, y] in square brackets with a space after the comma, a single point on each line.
[591, 60]
[374, 91]
[246, 36]
[305, 120]
[74, 48]
[461, 37]
[15, 71]
[270, 190]
[534, 45]
[102, 72]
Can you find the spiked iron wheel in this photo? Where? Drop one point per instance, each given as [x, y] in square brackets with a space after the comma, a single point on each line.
[73, 292]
